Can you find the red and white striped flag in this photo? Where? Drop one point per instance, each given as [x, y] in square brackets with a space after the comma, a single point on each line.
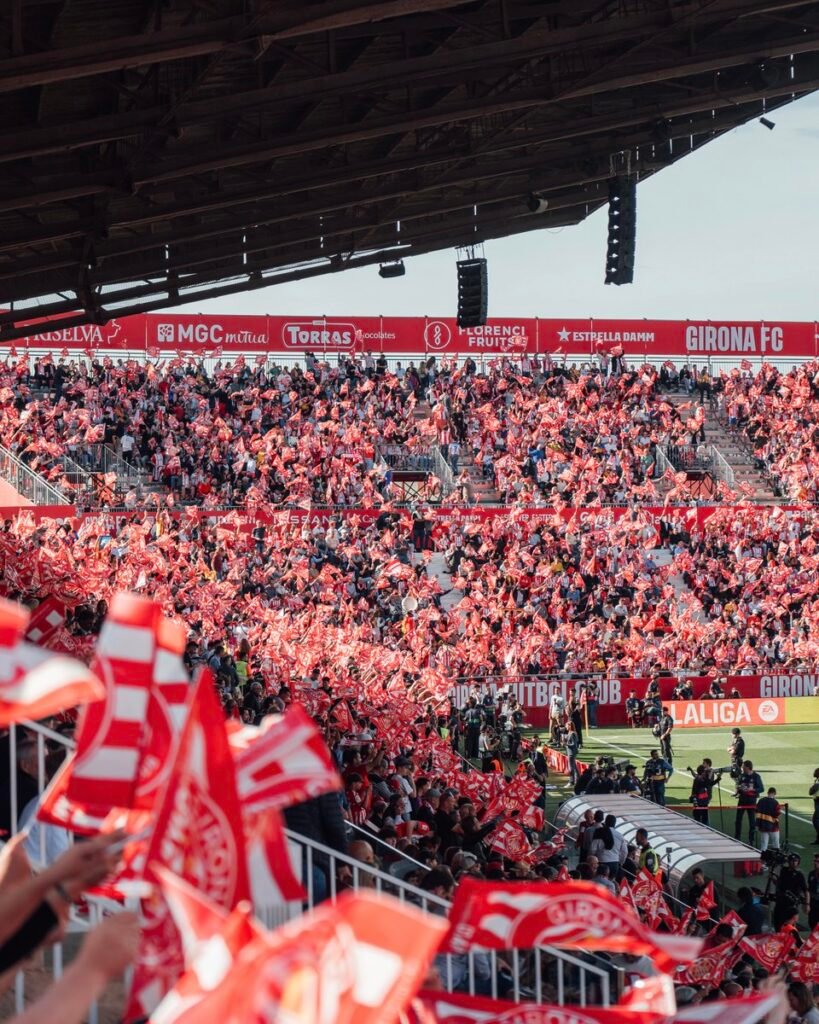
[167, 710]
[35, 683]
[286, 763]
[46, 620]
[105, 769]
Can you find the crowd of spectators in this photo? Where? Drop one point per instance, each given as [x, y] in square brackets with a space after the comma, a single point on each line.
[777, 414]
[540, 433]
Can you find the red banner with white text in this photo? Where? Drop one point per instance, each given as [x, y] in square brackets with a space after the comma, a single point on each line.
[207, 334]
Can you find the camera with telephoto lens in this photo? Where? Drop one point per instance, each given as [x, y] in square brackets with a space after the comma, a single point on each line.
[775, 858]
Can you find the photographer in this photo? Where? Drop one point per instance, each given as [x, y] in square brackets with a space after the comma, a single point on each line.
[656, 773]
[701, 791]
[814, 792]
[666, 727]
[791, 891]
[736, 749]
[749, 789]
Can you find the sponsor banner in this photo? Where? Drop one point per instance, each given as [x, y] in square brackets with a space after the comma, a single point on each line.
[696, 714]
[791, 684]
[196, 333]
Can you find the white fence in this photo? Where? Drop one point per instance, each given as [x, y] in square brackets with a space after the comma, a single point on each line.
[540, 975]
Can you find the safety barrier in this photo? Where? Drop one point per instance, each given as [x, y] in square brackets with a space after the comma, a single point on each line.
[532, 971]
[541, 974]
[26, 482]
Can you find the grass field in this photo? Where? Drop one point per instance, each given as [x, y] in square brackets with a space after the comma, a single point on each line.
[785, 756]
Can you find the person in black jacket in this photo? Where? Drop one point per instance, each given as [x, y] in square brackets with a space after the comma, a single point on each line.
[320, 820]
[751, 911]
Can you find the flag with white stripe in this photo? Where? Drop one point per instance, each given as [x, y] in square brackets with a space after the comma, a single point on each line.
[106, 762]
[35, 683]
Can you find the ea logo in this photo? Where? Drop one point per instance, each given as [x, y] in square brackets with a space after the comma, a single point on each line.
[437, 335]
[768, 711]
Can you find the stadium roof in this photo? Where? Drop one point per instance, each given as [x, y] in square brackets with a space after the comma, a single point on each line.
[158, 151]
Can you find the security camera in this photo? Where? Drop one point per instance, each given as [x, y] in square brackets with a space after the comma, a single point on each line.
[536, 204]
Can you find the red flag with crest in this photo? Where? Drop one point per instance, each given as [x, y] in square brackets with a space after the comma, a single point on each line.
[769, 951]
[569, 915]
[806, 965]
[198, 836]
[35, 683]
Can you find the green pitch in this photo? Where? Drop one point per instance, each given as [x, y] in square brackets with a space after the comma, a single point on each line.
[785, 756]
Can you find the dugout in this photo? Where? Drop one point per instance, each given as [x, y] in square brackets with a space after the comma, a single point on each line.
[681, 844]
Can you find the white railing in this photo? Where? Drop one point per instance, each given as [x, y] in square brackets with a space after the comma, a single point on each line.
[723, 470]
[442, 469]
[661, 463]
[532, 970]
[27, 482]
[536, 974]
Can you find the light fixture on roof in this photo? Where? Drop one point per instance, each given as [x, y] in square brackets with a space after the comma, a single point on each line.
[770, 125]
[394, 269]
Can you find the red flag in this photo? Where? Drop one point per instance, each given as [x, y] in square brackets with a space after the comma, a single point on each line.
[35, 683]
[358, 960]
[806, 965]
[198, 836]
[510, 840]
[212, 941]
[57, 808]
[516, 796]
[458, 1008]
[106, 762]
[569, 915]
[342, 715]
[272, 863]
[745, 364]
[748, 1010]
[645, 885]
[534, 818]
[167, 710]
[769, 951]
[709, 969]
[286, 763]
[46, 620]
[706, 903]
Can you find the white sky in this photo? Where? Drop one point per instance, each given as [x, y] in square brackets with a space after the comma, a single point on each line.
[730, 232]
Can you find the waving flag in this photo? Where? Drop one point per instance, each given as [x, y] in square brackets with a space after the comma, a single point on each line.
[166, 713]
[569, 915]
[358, 960]
[510, 840]
[709, 969]
[109, 734]
[806, 965]
[458, 1008]
[706, 903]
[212, 940]
[198, 836]
[286, 763]
[769, 951]
[35, 683]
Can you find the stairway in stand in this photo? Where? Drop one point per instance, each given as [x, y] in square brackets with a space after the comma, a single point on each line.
[734, 449]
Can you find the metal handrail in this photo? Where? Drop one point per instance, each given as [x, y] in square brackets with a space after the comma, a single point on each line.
[442, 469]
[28, 482]
[723, 470]
[566, 966]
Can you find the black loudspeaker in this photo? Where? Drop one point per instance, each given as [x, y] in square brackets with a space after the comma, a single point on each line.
[472, 293]
[622, 230]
